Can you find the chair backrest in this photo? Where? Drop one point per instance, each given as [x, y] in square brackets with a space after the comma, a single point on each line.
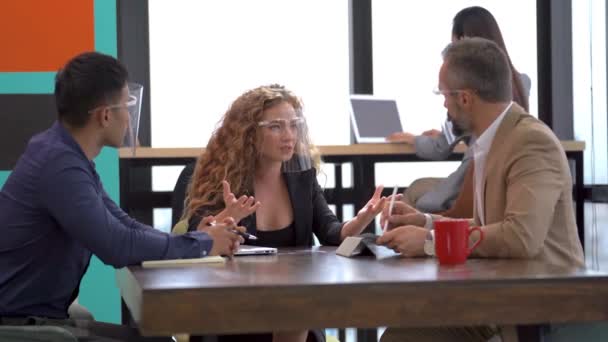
[179, 193]
[33, 333]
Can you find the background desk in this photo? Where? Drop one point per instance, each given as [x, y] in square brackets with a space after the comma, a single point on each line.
[362, 156]
[302, 288]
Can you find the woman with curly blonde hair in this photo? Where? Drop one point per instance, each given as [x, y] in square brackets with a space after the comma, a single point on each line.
[262, 148]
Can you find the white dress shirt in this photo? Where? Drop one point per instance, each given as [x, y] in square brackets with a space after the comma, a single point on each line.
[480, 151]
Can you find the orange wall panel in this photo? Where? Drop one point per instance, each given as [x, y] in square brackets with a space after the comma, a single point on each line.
[41, 35]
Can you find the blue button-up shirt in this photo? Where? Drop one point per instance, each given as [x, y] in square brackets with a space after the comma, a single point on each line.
[54, 213]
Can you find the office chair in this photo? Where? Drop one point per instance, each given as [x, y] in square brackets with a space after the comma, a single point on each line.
[179, 193]
[77, 311]
[180, 227]
[32, 333]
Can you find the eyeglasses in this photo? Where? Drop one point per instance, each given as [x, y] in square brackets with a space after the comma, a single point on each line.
[281, 125]
[447, 92]
[132, 102]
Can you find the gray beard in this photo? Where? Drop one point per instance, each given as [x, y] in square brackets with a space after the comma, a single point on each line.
[456, 129]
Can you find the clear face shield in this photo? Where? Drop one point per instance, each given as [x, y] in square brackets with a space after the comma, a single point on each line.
[134, 107]
[290, 142]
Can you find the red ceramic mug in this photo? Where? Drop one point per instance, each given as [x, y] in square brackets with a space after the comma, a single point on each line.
[452, 240]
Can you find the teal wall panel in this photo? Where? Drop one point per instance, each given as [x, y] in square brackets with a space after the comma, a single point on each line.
[3, 177]
[27, 82]
[106, 165]
[99, 293]
[105, 27]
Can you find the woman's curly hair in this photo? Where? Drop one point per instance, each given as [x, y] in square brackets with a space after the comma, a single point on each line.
[231, 153]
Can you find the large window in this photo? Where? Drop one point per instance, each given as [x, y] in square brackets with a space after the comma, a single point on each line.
[589, 85]
[203, 54]
[408, 39]
[589, 104]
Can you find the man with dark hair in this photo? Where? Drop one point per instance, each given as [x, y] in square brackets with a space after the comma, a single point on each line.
[522, 182]
[54, 212]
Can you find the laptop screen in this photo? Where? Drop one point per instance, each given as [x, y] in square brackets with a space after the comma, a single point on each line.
[374, 119]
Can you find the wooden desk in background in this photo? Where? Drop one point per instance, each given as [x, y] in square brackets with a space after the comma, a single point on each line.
[362, 156]
[304, 288]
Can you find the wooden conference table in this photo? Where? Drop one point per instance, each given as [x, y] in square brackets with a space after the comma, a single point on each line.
[363, 158]
[315, 288]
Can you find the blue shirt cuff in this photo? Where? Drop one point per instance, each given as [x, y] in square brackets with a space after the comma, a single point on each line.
[198, 244]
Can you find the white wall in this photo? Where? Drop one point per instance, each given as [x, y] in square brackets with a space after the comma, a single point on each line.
[589, 85]
[203, 54]
[408, 38]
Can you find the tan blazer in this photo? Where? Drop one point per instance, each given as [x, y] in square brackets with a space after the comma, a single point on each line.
[528, 195]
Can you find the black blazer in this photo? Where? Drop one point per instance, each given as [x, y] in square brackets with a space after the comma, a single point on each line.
[310, 211]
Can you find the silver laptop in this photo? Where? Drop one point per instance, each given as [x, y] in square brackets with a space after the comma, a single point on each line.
[374, 118]
[255, 250]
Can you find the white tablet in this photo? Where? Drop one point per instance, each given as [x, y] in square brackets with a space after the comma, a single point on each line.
[374, 118]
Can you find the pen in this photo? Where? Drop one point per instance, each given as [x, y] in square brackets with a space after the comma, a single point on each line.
[390, 208]
[244, 235]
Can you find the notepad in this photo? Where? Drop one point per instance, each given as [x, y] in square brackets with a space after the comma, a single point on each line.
[183, 262]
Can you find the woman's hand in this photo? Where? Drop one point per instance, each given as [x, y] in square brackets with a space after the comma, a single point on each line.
[366, 215]
[373, 207]
[433, 133]
[238, 209]
[402, 137]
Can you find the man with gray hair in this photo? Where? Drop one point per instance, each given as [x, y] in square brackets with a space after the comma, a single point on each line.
[522, 181]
